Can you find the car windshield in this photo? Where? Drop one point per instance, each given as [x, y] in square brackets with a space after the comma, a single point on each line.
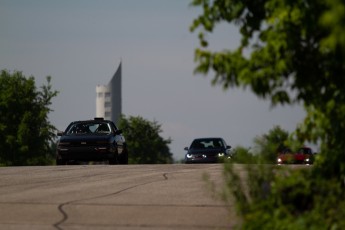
[207, 143]
[286, 151]
[304, 151]
[85, 128]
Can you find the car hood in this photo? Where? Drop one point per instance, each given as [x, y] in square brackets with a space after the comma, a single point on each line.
[206, 151]
[300, 156]
[291, 157]
[86, 138]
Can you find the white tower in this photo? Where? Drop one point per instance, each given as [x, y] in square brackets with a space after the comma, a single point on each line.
[108, 98]
[103, 102]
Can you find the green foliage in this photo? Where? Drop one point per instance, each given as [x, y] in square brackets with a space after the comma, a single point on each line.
[145, 145]
[276, 197]
[243, 155]
[297, 51]
[268, 145]
[25, 132]
[265, 149]
[290, 52]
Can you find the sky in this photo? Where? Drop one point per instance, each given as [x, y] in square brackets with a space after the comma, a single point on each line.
[81, 43]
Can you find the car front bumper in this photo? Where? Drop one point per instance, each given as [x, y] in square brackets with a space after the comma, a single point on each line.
[201, 160]
[87, 153]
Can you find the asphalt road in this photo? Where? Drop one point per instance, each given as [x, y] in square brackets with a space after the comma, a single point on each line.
[112, 197]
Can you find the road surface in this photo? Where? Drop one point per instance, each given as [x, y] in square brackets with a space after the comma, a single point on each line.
[125, 197]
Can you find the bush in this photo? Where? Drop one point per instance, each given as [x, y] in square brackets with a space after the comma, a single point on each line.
[281, 197]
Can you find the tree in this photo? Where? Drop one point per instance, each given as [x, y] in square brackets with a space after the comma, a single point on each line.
[25, 132]
[268, 145]
[243, 155]
[265, 149]
[145, 145]
[290, 52]
[297, 52]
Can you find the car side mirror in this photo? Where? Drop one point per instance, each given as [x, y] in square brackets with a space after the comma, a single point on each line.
[228, 147]
[119, 131]
[59, 133]
[186, 148]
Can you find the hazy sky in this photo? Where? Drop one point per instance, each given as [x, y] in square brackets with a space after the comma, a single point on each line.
[80, 44]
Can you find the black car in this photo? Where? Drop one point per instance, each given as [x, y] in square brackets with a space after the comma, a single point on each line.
[207, 150]
[91, 140]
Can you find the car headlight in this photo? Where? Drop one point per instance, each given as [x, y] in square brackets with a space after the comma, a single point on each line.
[63, 146]
[64, 143]
[189, 155]
[221, 154]
[307, 160]
[279, 160]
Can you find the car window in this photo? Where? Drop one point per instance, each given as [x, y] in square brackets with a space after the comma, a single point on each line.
[88, 128]
[101, 128]
[286, 151]
[207, 143]
[197, 145]
[218, 144]
[304, 150]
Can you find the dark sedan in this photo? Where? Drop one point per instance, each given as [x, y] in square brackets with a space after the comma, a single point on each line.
[91, 140]
[207, 150]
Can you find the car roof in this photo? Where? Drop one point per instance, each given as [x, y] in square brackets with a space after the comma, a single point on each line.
[92, 121]
[207, 138]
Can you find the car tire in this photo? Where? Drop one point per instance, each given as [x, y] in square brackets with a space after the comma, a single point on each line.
[113, 161]
[60, 162]
[123, 159]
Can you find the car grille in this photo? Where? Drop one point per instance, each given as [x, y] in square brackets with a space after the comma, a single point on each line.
[86, 143]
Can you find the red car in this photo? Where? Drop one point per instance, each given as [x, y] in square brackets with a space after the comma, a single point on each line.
[304, 155]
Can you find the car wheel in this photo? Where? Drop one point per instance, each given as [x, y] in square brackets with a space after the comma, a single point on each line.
[113, 161]
[123, 159]
[60, 162]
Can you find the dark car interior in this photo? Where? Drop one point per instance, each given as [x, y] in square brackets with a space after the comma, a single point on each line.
[202, 144]
[89, 128]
